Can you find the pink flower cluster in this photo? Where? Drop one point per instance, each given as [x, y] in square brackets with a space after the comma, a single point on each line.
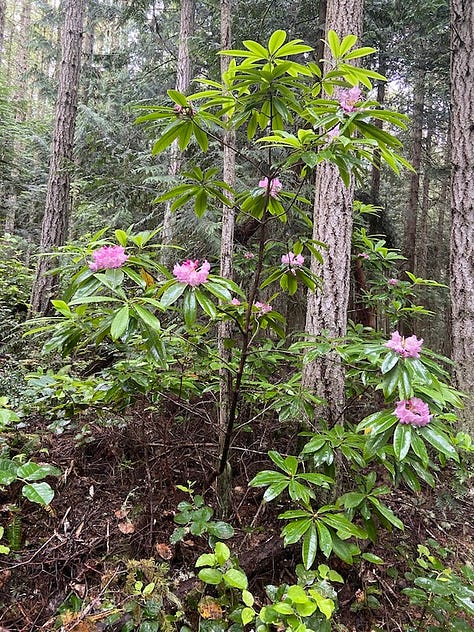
[348, 99]
[107, 258]
[235, 301]
[292, 261]
[263, 308]
[363, 255]
[273, 186]
[392, 282]
[188, 272]
[407, 347]
[413, 411]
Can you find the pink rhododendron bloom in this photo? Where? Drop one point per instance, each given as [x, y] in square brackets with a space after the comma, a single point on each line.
[407, 347]
[189, 273]
[292, 261]
[413, 411]
[235, 301]
[392, 281]
[348, 99]
[273, 186]
[249, 255]
[107, 258]
[363, 255]
[263, 308]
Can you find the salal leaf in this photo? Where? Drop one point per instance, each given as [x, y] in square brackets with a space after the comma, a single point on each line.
[39, 493]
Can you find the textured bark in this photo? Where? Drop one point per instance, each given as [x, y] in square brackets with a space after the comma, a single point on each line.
[327, 309]
[413, 200]
[375, 173]
[439, 266]
[3, 8]
[55, 223]
[224, 331]
[183, 81]
[462, 201]
[422, 237]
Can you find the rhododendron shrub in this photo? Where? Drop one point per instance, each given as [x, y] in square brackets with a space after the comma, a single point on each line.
[157, 319]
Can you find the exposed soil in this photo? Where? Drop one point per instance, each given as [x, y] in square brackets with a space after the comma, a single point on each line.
[113, 513]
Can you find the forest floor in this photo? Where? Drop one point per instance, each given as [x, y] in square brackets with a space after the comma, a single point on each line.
[111, 519]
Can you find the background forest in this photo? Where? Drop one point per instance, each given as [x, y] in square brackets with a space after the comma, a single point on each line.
[236, 300]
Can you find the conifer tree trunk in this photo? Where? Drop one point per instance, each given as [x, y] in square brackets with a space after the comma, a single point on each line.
[3, 9]
[462, 201]
[224, 332]
[422, 239]
[413, 201]
[183, 81]
[55, 223]
[327, 308]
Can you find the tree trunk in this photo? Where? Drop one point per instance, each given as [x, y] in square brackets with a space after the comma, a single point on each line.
[375, 172]
[462, 201]
[224, 331]
[327, 309]
[3, 9]
[55, 223]
[413, 201]
[183, 81]
[422, 238]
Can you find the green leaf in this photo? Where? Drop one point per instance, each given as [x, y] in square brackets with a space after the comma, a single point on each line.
[387, 513]
[390, 380]
[377, 422]
[247, 598]
[210, 576]
[172, 293]
[235, 579]
[206, 304]
[178, 98]
[149, 319]
[206, 559]
[283, 608]
[344, 527]
[247, 615]
[201, 137]
[40, 493]
[222, 530]
[402, 440]
[222, 552]
[333, 43]
[419, 448]
[439, 441]
[35, 472]
[294, 531]
[169, 135]
[120, 323]
[310, 547]
[7, 477]
[189, 308]
[275, 490]
[121, 236]
[276, 41]
[391, 359]
[267, 477]
[325, 538]
[373, 559]
[200, 203]
[352, 499]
